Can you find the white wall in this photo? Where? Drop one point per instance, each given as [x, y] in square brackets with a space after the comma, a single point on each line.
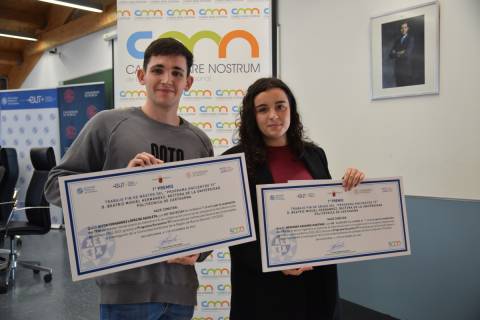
[81, 57]
[431, 140]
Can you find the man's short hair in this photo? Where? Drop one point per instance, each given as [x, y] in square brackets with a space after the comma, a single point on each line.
[167, 47]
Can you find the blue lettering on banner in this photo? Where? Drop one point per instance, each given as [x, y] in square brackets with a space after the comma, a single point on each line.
[28, 99]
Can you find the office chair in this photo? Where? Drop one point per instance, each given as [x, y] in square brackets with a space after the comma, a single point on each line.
[37, 211]
[9, 169]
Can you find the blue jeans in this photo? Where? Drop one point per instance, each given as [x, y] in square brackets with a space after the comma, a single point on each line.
[146, 311]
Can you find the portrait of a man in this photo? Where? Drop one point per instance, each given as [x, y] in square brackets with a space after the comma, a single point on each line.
[403, 53]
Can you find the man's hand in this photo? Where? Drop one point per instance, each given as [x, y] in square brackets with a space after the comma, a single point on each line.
[187, 260]
[143, 159]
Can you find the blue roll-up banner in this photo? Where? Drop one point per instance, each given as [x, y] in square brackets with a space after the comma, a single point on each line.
[29, 119]
[45, 118]
[77, 104]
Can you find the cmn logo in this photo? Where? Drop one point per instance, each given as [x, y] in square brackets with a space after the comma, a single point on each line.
[215, 271]
[219, 141]
[245, 11]
[227, 124]
[187, 109]
[213, 12]
[237, 229]
[180, 12]
[198, 93]
[229, 93]
[190, 42]
[213, 109]
[215, 304]
[133, 93]
[223, 255]
[205, 288]
[140, 13]
[224, 287]
[203, 125]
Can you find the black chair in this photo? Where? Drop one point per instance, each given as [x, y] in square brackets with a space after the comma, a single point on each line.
[9, 169]
[9, 165]
[37, 211]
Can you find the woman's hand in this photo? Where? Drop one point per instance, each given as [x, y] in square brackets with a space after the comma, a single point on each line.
[187, 260]
[296, 272]
[352, 178]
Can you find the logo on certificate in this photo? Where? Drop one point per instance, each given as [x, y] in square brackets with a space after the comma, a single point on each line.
[95, 249]
[283, 245]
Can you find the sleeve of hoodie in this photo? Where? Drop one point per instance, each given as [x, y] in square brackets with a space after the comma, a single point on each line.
[86, 154]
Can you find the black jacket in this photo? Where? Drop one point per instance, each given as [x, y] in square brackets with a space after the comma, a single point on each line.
[273, 295]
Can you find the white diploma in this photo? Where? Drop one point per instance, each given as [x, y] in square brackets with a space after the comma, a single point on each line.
[316, 222]
[122, 219]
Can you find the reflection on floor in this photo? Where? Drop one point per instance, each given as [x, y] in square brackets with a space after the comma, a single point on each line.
[64, 299]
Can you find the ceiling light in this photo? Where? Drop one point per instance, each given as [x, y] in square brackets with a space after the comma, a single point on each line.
[16, 35]
[78, 4]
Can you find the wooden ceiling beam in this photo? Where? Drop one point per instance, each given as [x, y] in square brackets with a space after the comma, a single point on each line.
[16, 20]
[58, 16]
[11, 58]
[59, 35]
[18, 74]
[73, 30]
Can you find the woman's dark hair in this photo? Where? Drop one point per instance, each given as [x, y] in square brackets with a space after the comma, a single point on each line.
[251, 137]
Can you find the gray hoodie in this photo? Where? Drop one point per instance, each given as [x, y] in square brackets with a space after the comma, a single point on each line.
[109, 141]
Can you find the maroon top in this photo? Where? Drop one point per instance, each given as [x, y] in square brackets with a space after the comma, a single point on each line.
[285, 166]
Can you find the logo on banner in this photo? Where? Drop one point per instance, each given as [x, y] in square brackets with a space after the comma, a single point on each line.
[91, 111]
[224, 288]
[124, 13]
[133, 93]
[205, 288]
[148, 13]
[223, 255]
[187, 109]
[198, 93]
[190, 42]
[215, 12]
[215, 304]
[213, 109]
[229, 93]
[227, 124]
[70, 132]
[69, 96]
[203, 125]
[245, 11]
[180, 12]
[219, 141]
[215, 272]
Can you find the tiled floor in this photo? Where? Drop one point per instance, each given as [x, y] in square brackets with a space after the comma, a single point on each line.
[64, 299]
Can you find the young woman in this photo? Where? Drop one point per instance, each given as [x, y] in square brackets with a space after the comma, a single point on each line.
[271, 136]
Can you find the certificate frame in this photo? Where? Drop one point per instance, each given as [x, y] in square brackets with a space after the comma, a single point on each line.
[274, 192]
[412, 67]
[85, 183]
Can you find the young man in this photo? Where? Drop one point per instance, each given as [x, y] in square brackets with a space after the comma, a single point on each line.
[144, 136]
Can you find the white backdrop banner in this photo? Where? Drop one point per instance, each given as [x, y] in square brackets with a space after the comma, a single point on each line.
[232, 45]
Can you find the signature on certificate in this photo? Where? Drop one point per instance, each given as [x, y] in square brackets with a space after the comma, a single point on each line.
[169, 239]
[337, 246]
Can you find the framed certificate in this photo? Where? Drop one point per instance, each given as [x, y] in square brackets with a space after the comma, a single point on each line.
[121, 219]
[316, 222]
